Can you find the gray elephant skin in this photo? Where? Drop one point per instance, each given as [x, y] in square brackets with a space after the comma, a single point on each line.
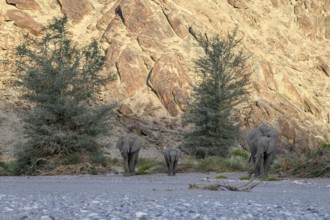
[262, 142]
[129, 146]
[172, 157]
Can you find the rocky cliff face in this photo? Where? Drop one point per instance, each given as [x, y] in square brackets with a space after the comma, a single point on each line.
[149, 48]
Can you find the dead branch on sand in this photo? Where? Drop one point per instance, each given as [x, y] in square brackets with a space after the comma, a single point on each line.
[223, 187]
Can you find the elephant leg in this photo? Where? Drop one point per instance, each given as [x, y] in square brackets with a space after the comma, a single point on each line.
[258, 163]
[126, 167]
[133, 162]
[130, 161]
[261, 166]
[269, 158]
[174, 166]
[257, 170]
[167, 165]
[171, 167]
[136, 157]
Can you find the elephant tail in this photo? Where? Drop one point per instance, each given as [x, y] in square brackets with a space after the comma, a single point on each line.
[172, 158]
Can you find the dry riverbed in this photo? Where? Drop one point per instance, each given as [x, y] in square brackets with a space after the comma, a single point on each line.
[159, 196]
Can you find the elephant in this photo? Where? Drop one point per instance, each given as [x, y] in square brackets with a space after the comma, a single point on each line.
[265, 156]
[129, 146]
[262, 142]
[171, 157]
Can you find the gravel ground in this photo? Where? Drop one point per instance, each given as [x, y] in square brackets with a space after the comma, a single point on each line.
[160, 196]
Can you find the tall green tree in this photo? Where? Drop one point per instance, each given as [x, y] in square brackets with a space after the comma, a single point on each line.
[222, 86]
[61, 81]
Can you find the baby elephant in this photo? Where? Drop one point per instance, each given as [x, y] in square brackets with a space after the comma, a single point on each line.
[129, 146]
[172, 157]
[262, 142]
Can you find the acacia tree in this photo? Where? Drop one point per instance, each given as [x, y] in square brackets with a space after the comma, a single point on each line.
[61, 82]
[222, 86]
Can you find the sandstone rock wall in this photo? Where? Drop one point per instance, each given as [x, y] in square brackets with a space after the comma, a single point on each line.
[148, 47]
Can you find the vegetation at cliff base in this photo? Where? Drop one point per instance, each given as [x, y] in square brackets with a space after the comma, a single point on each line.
[222, 86]
[62, 82]
[316, 163]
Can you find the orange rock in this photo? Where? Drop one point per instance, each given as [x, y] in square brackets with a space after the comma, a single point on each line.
[23, 20]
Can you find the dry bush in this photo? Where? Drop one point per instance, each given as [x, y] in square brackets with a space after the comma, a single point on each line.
[315, 164]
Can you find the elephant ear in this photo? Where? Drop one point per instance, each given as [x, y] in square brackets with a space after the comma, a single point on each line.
[252, 135]
[136, 144]
[120, 143]
[272, 145]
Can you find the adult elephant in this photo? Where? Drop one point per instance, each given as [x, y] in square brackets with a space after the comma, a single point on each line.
[262, 142]
[129, 146]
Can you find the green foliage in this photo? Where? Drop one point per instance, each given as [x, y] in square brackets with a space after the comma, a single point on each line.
[245, 178]
[143, 171]
[3, 165]
[212, 187]
[114, 161]
[99, 158]
[223, 79]
[62, 81]
[208, 164]
[234, 163]
[271, 179]
[24, 164]
[221, 177]
[219, 164]
[93, 171]
[6, 168]
[74, 158]
[240, 153]
[101, 163]
[325, 146]
[144, 165]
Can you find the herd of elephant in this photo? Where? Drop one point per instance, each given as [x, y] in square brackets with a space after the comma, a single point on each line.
[262, 142]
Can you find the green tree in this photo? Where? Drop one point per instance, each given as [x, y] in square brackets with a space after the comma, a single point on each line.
[222, 86]
[62, 82]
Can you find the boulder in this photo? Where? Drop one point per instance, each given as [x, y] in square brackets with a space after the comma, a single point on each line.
[125, 110]
[276, 3]
[140, 20]
[240, 4]
[177, 23]
[135, 14]
[132, 71]
[306, 24]
[112, 54]
[24, 4]
[171, 83]
[23, 20]
[107, 16]
[75, 10]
